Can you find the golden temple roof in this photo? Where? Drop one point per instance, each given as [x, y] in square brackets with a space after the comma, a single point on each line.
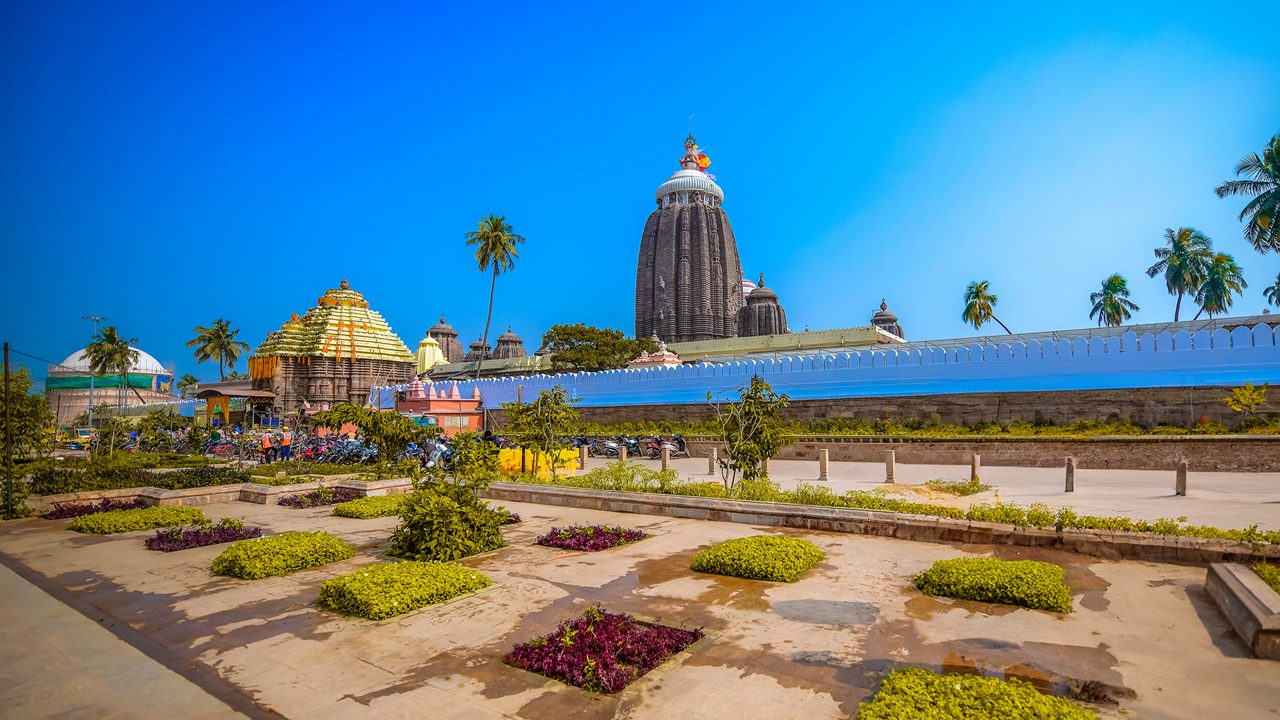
[340, 326]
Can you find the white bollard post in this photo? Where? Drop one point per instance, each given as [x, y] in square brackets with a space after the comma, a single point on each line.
[824, 460]
[666, 459]
[622, 452]
[582, 457]
[712, 462]
[975, 464]
[888, 466]
[1180, 481]
[1071, 475]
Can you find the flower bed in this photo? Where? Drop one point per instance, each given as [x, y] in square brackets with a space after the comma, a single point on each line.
[508, 517]
[762, 557]
[374, 506]
[318, 497]
[62, 511]
[280, 555]
[122, 521]
[601, 651]
[1270, 574]
[200, 535]
[381, 591]
[918, 694]
[1025, 583]
[590, 538]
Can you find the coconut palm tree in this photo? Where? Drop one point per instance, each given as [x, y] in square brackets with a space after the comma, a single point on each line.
[1222, 279]
[187, 381]
[1263, 187]
[1184, 262]
[110, 354]
[495, 242]
[1272, 292]
[218, 343]
[1111, 304]
[979, 305]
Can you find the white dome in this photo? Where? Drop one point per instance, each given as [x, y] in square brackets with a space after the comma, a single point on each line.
[145, 365]
[747, 286]
[685, 180]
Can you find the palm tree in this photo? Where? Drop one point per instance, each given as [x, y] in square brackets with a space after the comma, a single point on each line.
[1272, 292]
[110, 354]
[495, 242]
[1263, 185]
[218, 343]
[186, 382]
[1222, 280]
[1184, 263]
[979, 305]
[1111, 304]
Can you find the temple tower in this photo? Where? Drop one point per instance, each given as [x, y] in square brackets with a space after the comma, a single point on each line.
[762, 315]
[688, 278]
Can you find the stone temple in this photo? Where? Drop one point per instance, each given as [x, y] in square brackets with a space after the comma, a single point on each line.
[688, 278]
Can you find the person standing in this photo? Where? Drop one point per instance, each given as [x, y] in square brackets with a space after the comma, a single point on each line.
[265, 445]
[286, 444]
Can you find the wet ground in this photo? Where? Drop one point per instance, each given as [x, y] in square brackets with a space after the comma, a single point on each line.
[1144, 641]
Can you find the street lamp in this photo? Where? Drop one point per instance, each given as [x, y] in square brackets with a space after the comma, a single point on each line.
[95, 319]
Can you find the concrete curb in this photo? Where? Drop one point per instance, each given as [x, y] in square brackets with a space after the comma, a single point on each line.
[1249, 604]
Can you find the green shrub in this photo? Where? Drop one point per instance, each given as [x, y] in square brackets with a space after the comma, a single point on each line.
[381, 591]
[442, 522]
[1270, 574]
[474, 457]
[120, 521]
[762, 557]
[863, 500]
[115, 473]
[373, 506]
[293, 468]
[958, 487]
[918, 694]
[199, 477]
[1026, 583]
[280, 555]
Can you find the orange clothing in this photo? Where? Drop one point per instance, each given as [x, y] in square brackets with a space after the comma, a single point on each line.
[286, 439]
[266, 441]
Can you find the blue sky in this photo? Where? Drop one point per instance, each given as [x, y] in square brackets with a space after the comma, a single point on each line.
[166, 164]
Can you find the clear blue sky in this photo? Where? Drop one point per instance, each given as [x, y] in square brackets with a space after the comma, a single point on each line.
[169, 163]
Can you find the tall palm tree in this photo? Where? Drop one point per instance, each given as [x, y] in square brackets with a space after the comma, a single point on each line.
[1184, 263]
[218, 343]
[110, 354]
[1272, 292]
[1222, 280]
[187, 381]
[979, 305]
[495, 242]
[1263, 186]
[1111, 304]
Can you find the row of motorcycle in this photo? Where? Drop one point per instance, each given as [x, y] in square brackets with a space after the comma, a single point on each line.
[650, 446]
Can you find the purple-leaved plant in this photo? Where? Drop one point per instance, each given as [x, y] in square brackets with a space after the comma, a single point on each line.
[182, 538]
[63, 511]
[512, 519]
[589, 538]
[601, 651]
[322, 496]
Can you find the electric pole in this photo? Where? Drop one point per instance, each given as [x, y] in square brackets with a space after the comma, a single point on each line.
[8, 440]
[95, 319]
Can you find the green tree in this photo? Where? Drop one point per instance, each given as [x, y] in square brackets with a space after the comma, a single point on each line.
[1223, 279]
[154, 426]
[979, 306]
[389, 431]
[186, 382]
[111, 354]
[29, 416]
[1111, 304]
[495, 242]
[1183, 261]
[1272, 292]
[218, 342]
[542, 425]
[1247, 398]
[1262, 186]
[591, 349]
[752, 432]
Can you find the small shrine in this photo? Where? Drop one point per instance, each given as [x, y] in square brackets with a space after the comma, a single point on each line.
[662, 358]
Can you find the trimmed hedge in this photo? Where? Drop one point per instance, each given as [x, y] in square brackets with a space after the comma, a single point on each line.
[918, 694]
[122, 521]
[115, 475]
[1270, 574]
[385, 590]
[762, 557]
[373, 506]
[1025, 583]
[280, 554]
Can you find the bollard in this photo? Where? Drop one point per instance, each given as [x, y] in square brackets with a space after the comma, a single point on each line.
[712, 462]
[764, 467]
[622, 452]
[888, 466]
[1180, 483]
[975, 464]
[666, 459]
[824, 459]
[1071, 475]
[582, 457]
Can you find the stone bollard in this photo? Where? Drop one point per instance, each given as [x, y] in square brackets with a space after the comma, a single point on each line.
[888, 466]
[713, 462]
[622, 452]
[975, 464]
[582, 457]
[824, 460]
[1180, 483]
[1071, 474]
[666, 459]
[764, 467]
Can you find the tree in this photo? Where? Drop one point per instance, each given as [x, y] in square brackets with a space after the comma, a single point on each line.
[110, 354]
[495, 242]
[1272, 292]
[218, 343]
[542, 425]
[591, 349]
[1262, 186]
[29, 415]
[979, 306]
[1183, 261]
[389, 431]
[155, 426]
[1247, 398]
[1111, 305]
[1223, 278]
[752, 432]
[186, 382]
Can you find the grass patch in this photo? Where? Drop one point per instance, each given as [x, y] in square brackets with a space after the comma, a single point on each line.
[590, 538]
[122, 521]
[762, 557]
[958, 487]
[385, 590]
[373, 506]
[280, 555]
[1270, 574]
[918, 694]
[1025, 583]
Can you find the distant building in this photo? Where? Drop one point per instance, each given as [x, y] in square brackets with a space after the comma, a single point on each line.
[887, 321]
[67, 386]
[762, 315]
[509, 346]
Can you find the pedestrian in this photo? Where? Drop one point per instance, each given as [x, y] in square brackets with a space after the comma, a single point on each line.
[286, 444]
[268, 451]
